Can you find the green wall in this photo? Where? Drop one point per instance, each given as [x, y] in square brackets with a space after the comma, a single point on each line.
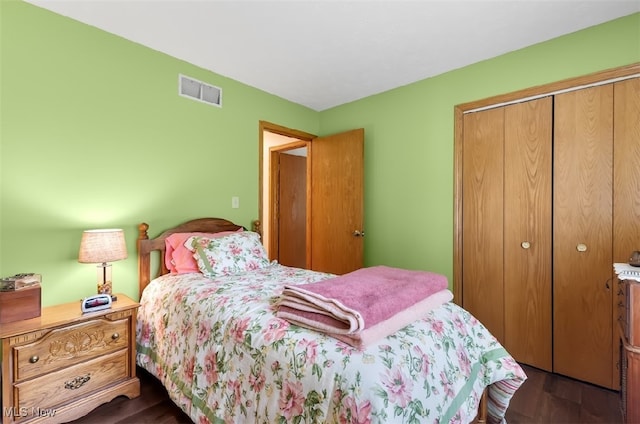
[409, 137]
[94, 135]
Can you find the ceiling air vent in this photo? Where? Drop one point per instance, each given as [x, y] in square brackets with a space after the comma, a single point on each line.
[198, 90]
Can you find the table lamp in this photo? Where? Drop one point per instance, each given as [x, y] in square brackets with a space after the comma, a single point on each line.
[102, 246]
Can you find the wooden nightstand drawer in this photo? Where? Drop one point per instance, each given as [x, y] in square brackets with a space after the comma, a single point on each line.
[59, 366]
[68, 346]
[71, 383]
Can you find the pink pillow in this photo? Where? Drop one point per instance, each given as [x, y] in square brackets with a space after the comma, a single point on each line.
[179, 259]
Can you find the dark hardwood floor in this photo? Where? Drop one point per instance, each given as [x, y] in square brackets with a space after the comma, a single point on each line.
[543, 398]
[551, 398]
[152, 406]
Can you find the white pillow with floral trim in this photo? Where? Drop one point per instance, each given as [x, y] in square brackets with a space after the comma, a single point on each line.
[232, 254]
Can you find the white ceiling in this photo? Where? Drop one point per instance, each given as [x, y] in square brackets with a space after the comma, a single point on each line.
[324, 53]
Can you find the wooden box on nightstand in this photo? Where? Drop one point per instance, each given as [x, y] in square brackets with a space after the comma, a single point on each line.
[63, 364]
[17, 305]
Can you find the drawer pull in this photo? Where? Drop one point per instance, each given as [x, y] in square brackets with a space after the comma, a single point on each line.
[34, 359]
[115, 336]
[77, 382]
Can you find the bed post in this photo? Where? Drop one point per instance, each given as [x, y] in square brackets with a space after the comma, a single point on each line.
[482, 409]
[256, 227]
[144, 259]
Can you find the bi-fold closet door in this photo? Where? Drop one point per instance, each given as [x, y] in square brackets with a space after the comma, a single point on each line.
[506, 230]
[542, 224]
[583, 235]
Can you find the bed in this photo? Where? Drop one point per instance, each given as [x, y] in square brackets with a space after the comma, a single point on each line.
[215, 343]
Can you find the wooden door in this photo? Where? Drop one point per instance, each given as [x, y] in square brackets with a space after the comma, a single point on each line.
[626, 181]
[527, 231]
[292, 210]
[626, 169]
[337, 202]
[482, 214]
[506, 273]
[582, 234]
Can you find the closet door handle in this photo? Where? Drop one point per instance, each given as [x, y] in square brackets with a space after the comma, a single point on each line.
[581, 247]
[525, 244]
[357, 233]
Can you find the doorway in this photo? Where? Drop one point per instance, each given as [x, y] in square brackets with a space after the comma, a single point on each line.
[290, 206]
[284, 178]
[334, 184]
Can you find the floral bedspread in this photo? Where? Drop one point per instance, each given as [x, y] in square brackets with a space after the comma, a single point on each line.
[223, 356]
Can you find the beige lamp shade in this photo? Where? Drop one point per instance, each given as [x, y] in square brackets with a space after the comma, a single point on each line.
[101, 246]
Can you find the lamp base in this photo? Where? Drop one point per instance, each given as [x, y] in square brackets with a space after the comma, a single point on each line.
[104, 288]
[104, 278]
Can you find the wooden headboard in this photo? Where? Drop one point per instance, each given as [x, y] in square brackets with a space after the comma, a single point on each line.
[147, 245]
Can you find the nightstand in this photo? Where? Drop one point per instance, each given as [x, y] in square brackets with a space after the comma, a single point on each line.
[63, 364]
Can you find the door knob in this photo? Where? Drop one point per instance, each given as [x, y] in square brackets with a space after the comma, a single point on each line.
[581, 247]
[525, 244]
[357, 233]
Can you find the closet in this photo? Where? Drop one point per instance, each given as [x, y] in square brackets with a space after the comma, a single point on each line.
[507, 226]
[547, 199]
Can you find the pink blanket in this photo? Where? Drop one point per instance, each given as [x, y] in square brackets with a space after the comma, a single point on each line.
[363, 338]
[396, 322]
[380, 299]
